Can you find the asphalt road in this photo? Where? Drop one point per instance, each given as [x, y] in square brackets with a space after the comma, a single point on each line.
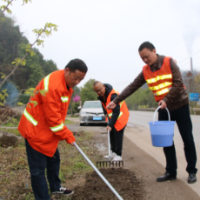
[138, 122]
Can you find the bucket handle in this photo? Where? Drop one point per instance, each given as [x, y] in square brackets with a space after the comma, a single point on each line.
[156, 112]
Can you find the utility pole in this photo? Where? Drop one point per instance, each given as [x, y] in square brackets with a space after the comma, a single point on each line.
[191, 65]
[191, 78]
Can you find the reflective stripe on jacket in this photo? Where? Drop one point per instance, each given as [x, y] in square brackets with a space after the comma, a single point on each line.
[122, 119]
[160, 81]
[42, 122]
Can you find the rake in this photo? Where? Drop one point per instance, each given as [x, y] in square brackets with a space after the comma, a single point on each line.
[109, 163]
[98, 172]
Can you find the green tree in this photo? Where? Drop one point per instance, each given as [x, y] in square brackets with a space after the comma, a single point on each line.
[48, 66]
[10, 38]
[11, 41]
[13, 44]
[197, 83]
[141, 98]
[87, 92]
[3, 95]
[77, 91]
[73, 107]
[43, 32]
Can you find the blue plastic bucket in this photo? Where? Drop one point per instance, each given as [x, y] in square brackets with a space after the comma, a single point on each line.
[162, 132]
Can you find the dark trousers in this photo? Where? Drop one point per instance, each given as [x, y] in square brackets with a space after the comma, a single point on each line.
[38, 162]
[183, 120]
[116, 140]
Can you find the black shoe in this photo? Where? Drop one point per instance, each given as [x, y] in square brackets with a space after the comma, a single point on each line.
[192, 178]
[166, 177]
[64, 191]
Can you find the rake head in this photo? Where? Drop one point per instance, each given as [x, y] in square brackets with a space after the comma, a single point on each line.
[109, 164]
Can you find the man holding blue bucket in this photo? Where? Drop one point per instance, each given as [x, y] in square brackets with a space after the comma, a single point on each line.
[164, 79]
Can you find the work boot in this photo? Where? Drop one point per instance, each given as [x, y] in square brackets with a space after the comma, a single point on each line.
[192, 178]
[64, 191]
[112, 155]
[117, 158]
[166, 177]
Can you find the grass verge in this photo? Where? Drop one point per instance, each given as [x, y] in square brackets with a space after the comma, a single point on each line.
[8, 127]
[14, 171]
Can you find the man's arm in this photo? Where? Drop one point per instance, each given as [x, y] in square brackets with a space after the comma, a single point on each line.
[116, 112]
[174, 92]
[131, 88]
[52, 110]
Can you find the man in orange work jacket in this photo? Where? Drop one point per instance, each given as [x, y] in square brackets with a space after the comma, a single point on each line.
[118, 118]
[42, 126]
[165, 81]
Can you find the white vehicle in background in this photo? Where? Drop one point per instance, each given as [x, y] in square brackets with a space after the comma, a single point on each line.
[92, 113]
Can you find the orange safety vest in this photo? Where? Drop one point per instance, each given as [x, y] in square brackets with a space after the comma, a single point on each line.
[42, 122]
[122, 120]
[160, 81]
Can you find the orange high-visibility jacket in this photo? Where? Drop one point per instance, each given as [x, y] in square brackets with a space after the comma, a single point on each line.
[122, 120]
[160, 81]
[42, 122]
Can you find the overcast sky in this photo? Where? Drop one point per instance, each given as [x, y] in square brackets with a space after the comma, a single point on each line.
[106, 34]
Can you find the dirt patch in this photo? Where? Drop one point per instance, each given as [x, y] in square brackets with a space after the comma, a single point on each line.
[124, 181]
[7, 112]
[136, 181]
[139, 165]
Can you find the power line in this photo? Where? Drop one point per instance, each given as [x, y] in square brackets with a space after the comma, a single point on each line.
[183, 65]
[196, 58]
[196, 52]
[183, 60]
[189, 56]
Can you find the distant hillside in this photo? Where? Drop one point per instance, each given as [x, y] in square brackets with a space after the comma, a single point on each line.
[12, 45]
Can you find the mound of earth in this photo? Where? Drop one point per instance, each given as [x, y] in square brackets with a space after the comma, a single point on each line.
[124, 182]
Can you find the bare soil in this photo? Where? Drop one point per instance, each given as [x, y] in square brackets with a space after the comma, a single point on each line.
[135, 181]
[123, 180]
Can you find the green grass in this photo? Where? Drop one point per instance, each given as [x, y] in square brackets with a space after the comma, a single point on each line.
[12, 123]
[15, 170]
[74, 116]
[5, 127]
[9, 130]
[68, 122]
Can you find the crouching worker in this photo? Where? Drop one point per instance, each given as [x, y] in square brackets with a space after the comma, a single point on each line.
[118, 118]
[42, 126]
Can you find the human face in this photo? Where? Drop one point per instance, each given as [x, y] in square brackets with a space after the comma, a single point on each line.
[73, 78]
[148, 56]
[99, 89]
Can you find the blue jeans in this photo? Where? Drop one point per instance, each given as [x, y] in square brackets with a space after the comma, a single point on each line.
[38, 162]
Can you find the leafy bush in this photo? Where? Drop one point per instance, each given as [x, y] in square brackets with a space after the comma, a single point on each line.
[142, 98]
[24, 98]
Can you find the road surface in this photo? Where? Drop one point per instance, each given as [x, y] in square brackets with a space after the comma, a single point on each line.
[142, 138]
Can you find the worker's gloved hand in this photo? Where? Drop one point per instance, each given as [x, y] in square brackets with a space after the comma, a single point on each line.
[162, 104]
[70, 138]
[111, 105]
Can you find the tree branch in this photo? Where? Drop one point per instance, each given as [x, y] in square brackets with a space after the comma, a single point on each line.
[13, 70]
[20, 60]
[7, 5]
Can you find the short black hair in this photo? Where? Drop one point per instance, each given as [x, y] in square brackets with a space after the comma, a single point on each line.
[147, 45]
[77, 64]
